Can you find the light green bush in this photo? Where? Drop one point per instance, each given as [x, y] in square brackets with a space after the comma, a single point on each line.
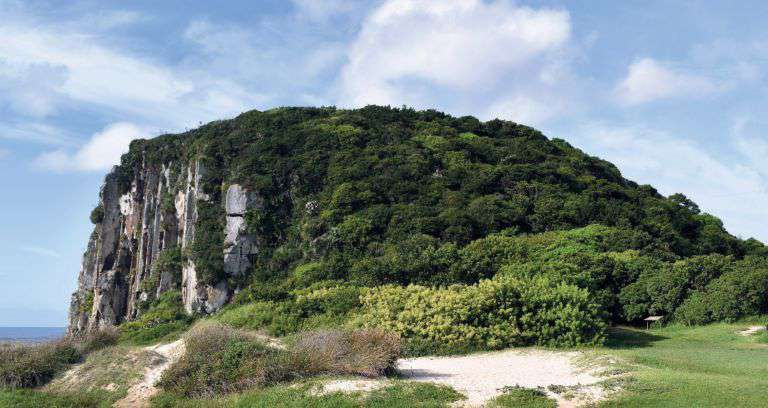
[492, 314]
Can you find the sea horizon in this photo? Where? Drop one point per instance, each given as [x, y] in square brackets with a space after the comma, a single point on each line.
[30, 334]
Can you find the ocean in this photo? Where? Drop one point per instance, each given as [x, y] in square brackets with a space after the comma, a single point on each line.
[30, 334]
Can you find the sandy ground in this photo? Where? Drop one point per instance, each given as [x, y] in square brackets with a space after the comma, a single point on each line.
[752, 330]
[482, 377]
[140, 393]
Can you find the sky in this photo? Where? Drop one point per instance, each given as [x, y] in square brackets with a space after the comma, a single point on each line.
[672, 92]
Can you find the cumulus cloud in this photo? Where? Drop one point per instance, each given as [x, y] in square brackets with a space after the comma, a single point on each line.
[87, 71]
[459, 49]
[100, 153]
[49, 67]
[733, 190]
[648, 80]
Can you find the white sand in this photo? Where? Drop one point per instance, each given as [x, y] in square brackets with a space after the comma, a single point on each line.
[752, 330]
[482, 377]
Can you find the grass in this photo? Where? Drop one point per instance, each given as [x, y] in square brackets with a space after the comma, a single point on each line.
[398, 395]
[518, 397]
[220, 359]
[680, 366]
[114, 367]
[33, 365]
[36, 399]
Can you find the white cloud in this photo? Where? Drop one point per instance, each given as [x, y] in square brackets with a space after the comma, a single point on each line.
[87, 71]
[322, 10]
[648, 80]
[40, 251]
[733, 190]
[110, 19]
[753, 148]
[101, 152]
[459, 48]
[49, 67]
[33, 132]
[4, 153]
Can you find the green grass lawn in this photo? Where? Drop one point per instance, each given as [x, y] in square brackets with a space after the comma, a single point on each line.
[678, 366]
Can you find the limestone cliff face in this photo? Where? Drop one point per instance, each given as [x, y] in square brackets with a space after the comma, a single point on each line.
[159, 211]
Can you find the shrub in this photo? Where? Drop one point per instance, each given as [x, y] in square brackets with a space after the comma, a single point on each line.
[32, 365]
[661, 290]
[97, 214]
[518, 397]
[492, 314]
[220, 359]
[740, 293]
[277, 318]
[90, 341]
[168, 263]
[369, 353]
[324, 304]
[164, 319]
[27, 366]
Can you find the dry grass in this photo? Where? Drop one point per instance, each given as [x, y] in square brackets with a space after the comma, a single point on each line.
[370, 353]
[33, 365]
[220, 360]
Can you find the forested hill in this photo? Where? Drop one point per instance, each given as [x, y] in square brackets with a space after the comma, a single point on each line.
[369, 196]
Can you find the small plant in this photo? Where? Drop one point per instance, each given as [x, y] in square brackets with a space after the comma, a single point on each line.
[519, 397]
[97, 214]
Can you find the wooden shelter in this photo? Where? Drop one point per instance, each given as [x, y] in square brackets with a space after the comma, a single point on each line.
[651, 319]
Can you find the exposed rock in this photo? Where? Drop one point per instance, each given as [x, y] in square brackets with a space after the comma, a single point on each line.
[239, 248]
[158, 211]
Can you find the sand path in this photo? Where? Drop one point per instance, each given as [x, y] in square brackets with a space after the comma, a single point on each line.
[752, 330]
[140, 393]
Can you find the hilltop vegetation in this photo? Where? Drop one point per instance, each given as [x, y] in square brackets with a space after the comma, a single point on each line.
[356, 199]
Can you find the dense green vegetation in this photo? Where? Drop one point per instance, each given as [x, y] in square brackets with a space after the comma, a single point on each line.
[356, 199]
[163, 319]
[493, 314]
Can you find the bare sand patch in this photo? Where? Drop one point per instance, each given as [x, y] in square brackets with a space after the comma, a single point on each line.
[481, 377]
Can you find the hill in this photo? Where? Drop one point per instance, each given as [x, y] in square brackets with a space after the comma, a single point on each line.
[273, 208]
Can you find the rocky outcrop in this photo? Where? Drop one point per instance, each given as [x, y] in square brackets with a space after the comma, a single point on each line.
[239, 247]
[157, 211]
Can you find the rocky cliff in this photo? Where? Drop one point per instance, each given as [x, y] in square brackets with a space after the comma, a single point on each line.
[158, 213]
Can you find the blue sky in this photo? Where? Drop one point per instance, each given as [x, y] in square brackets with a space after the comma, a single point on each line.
[674, 93]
